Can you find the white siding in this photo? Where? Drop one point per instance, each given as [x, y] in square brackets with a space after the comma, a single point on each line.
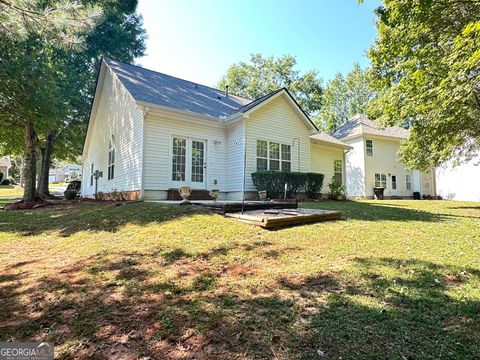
[385, 161]
[234, 156]
[159, 132]
[276, 121]
[117, 114]
[460, 182]
[322, 161]
[355, 169]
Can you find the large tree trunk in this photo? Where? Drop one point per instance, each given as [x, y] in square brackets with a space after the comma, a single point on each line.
[45, 163]
[30, 162]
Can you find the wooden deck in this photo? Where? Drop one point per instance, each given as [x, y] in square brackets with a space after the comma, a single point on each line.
[270, 219]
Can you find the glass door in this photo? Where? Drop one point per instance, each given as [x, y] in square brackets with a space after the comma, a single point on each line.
[198, 163]
[188, 162]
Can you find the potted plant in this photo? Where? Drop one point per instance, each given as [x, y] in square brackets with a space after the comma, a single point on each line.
[214, 193]
[185, 192]
[262, 194]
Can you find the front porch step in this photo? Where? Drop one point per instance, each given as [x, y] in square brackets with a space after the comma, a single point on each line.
[197, 194]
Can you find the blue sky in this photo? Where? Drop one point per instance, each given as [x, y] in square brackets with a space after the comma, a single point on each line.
[199, 40]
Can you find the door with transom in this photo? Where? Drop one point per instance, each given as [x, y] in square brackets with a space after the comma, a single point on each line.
[188, 162]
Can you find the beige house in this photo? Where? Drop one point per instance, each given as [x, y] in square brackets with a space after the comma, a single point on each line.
[373, 162]
[5, 165]
[150, 133]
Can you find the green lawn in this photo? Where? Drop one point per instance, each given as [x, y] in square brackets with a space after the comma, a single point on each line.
[11, 190]
[392, 280]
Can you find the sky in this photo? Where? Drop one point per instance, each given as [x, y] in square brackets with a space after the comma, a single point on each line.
[199, 40]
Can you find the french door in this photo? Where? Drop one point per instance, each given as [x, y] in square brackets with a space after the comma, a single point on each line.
[188, 162]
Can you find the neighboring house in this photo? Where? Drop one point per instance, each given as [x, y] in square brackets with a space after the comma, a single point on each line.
[72, 172]
[56, 175]
[459, 182]
[150, 133]
[373, 162]
[5, 165]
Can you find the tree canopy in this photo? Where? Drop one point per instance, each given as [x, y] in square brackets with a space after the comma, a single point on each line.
[426, 68]
[345, 96]
[262, 75]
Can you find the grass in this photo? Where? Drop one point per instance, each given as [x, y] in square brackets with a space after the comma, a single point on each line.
[394, 279]
[11, 190]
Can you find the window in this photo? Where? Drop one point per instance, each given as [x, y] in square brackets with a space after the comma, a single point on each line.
[111, 158]
[273, 156]
[338, 171]
[394, 182]
[286, 157]
[91, 174]
[178, 159]
[262, 155]
[381, 181]
[369, 146]
[198, 156]
[408, 181]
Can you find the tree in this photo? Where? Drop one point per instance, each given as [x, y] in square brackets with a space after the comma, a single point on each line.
[262, 75]
[118, 34]
[426, 67]
[344, 97]
[30, 96]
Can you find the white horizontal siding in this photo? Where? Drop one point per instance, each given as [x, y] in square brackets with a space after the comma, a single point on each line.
[276, 121]
[459, 182]
[117, 114]
[159, 132]
[355, 169]
[322, 160]
[234, 156]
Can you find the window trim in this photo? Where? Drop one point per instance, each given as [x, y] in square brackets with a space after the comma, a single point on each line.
[336, 171]
[408, 181]
[92, 172]
[111, 158]
[380, 181]
[367, 148]
[281, 160]
[185, 176]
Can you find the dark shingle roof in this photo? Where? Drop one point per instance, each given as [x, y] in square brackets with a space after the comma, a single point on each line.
[165, 90]
[361, 125]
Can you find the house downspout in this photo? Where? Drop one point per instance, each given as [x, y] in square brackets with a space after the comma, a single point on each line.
[145, 111]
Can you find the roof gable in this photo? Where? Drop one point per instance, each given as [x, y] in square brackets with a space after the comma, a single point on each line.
[360, 125]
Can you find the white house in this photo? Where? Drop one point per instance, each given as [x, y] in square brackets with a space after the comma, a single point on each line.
[150, 133]
[459, 182]
[72, 172]
[373, 162]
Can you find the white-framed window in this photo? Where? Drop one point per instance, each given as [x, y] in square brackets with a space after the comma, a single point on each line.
[262, 155]
[394, 182]
[369, 147]
[381, 181]
[111, 158]
[179, 157]
[408, 181]
[286, 157]
[198, 159]
[338, 171]
[273, 156]
[92, 172]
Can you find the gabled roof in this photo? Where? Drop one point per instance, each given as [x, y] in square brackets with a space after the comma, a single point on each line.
[325, 138]
[160, 89]
[361, 125]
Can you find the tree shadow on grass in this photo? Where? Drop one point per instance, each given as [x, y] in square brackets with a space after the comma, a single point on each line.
[68, 219]
[378, 211]
[118, 306]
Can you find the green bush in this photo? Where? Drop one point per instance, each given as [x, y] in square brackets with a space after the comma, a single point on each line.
[313, 185]
[70, 194]
[274, 183]
[5, 182]
[336, 190]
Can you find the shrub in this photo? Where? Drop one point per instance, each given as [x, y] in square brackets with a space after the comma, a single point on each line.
[274, 183]
[73, 190]
[70, 194]
[336, 190]
[314, 185]
[5, 182]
